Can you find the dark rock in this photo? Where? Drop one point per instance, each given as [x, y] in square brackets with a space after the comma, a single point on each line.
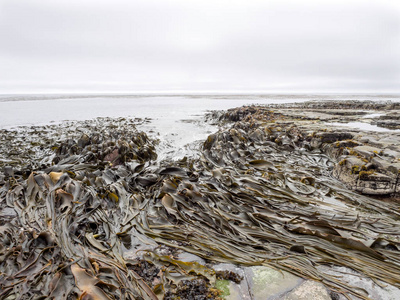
[330, 137]
[390, 124]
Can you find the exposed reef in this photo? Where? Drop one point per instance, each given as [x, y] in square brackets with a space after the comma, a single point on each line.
[87, 211]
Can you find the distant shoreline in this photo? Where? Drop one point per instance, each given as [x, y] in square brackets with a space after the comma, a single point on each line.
[214, 95]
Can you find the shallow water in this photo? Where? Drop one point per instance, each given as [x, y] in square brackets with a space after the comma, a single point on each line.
[363, 126]
[371, 116]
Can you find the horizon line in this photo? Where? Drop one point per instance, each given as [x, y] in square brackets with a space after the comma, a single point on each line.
[200, 92]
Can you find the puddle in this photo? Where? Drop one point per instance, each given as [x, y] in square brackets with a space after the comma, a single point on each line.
[370, 116]
[362, 126]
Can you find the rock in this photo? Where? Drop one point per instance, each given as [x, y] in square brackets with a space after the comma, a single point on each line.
[393, 141]
[366, 138]
[390, 153]
[309, 290]
[372, 140]
[231, 290]
[394, 168]
[353, 172]
[367, 151]
[268, 283]
[330, 137]
[391, 124]
[349, 143]
[352, 161]
[381, 163]
[375, 184]
[375, 290]
[259, 283]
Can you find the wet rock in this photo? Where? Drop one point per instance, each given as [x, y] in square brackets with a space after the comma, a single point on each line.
[394, 168]
[391, 124]
[246, 113]
[375, 184]
[375, 290]
[330, 137]
[393, 141]
[371, 140]
[381, 163]
[269, 283]
[348, 144]
[390, 153]
[232, 290]
[356, 175]
[367, 151]
[353, 163]
[343, 106]
[308, 290]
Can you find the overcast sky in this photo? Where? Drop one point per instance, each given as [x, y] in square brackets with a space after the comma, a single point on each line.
[207, 45]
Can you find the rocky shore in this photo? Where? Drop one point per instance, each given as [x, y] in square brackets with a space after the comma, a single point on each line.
[367, 161]
[272, 206]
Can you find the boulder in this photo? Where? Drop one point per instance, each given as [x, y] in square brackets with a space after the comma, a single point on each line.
[268, 283]
[309, 290]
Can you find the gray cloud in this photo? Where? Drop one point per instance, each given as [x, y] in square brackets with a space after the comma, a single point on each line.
[199, 45]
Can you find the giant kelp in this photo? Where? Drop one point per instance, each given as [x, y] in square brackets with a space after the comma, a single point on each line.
[255, 196]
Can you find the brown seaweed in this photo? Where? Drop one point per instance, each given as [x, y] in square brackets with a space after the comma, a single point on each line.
[254, 196]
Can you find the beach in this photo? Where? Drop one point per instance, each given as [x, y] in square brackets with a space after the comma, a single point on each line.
[207, 196]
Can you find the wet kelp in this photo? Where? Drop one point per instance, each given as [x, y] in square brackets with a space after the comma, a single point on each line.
[68, 216]
[61, 239]
[255, 196]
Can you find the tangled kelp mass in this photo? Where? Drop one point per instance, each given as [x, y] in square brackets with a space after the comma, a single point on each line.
[76, 206]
